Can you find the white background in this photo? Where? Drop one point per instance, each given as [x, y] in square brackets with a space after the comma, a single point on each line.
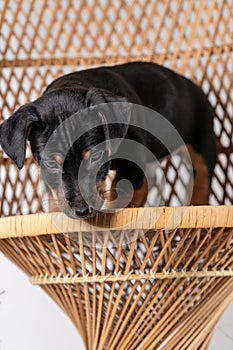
[30, 320]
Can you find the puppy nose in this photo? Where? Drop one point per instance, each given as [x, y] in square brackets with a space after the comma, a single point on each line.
[85, 213]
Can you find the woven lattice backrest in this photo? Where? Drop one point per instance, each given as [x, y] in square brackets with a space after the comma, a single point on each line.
[41, 40]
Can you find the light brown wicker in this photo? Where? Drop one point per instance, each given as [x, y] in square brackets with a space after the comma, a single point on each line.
[129, 281]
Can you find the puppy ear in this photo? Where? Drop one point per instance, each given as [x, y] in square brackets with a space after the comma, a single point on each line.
[14, 132]
[114, 112]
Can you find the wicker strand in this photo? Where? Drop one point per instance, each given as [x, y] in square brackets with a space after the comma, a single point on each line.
[40, 279]
[110, 60]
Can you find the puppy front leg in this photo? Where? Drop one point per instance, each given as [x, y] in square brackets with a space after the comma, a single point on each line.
[140, 195]
[52, 202]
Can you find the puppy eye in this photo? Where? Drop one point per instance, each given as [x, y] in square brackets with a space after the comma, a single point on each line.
[52, 164]
[96, 156]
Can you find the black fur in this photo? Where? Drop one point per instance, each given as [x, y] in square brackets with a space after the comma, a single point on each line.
[176, 98]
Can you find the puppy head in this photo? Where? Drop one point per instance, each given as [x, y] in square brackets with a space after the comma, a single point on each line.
[61, 170]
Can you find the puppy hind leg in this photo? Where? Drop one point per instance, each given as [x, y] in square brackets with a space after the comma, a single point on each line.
[201, 186]
[204, 150]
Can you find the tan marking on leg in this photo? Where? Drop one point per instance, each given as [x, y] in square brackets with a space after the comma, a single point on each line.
[53, 202]
[140, 195]
[108, 184]
[135, 199]
[107, 189]
[200, 195]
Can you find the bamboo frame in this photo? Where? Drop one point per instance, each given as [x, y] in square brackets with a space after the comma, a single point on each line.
[147, 278]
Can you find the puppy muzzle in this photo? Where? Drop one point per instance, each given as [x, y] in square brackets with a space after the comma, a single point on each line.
[77, 213]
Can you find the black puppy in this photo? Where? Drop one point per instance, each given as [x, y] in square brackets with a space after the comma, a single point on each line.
[176, 98]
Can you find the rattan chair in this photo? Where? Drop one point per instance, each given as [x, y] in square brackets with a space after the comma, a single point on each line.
[145, 278]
